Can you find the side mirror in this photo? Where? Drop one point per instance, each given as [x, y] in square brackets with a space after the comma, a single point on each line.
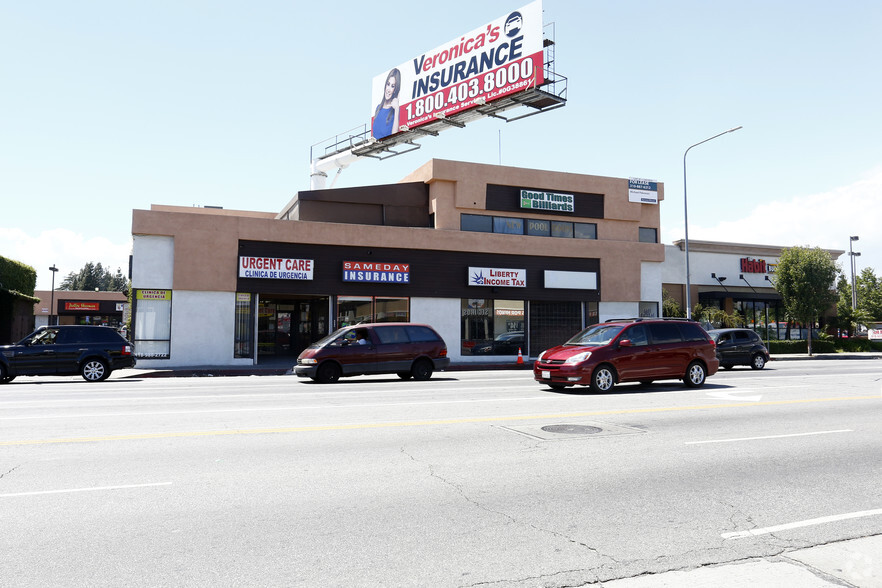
[625, 343]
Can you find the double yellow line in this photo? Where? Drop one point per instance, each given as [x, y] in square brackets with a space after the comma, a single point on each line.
[423, 423]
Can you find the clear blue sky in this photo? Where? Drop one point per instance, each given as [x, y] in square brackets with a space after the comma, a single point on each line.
[109, 106]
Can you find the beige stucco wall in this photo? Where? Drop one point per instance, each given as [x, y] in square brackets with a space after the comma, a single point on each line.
[206, 240]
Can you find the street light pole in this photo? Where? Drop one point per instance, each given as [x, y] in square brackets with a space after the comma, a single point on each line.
[686, 220]
[52, 269]
[852, 255]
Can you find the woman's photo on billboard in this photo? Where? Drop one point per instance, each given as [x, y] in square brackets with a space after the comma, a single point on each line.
[386, 114]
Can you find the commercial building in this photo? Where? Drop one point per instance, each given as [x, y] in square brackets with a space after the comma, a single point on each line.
[735, 277]
[80, 307]
[495, 258]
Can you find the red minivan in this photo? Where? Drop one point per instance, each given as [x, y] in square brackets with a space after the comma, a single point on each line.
[406, 349]
[630, 350]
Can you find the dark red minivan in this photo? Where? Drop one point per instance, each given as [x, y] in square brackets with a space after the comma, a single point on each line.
[630, 350]
[406, 349]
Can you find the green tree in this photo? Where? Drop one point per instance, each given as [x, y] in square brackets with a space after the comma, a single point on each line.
[670, 307]
[94, 276]
[869, 294]
[848, 318]
[805, 279]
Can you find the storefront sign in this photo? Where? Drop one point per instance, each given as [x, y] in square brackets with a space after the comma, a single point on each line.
[571, 280]
[90, 306]
[153, 295]
[493, 276]
[370, 271]
[275, 268]
[535, 200]
[644, 191]
[753, 266]
[874, 334]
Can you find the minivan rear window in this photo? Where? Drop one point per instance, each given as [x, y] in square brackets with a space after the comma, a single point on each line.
[692, 332]
[391, 334]
[665, 333]
[418, 333]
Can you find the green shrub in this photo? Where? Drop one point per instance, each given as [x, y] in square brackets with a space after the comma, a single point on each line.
[824, 346]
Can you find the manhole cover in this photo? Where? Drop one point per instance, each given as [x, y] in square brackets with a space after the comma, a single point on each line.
[572, 429]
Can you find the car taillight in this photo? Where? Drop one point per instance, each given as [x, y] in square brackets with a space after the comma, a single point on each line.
[443, 353]
[126, 349]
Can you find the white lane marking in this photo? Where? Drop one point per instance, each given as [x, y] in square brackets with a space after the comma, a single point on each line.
[768, 437]
[731, 395]
[94, 489]
[799, 524]
[262, 409]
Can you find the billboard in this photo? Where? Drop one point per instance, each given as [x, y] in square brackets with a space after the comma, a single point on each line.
[493, 61]
[644, 191]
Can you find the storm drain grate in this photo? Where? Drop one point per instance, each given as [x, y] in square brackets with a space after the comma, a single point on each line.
[572, 429]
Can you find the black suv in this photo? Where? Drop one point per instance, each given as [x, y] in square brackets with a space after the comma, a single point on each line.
[740, 347]
[63, 350]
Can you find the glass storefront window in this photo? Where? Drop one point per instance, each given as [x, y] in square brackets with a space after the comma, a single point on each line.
[152, 326]
[243, 337]
[585, 231]
[492, 327]
[352, 310]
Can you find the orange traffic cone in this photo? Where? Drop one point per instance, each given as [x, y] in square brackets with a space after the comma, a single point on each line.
[520, 357]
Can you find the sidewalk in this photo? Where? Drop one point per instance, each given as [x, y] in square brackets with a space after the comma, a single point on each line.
[856, 563]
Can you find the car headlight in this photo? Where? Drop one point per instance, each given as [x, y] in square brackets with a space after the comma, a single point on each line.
[578, 358]
[541, 355]
[307, 361]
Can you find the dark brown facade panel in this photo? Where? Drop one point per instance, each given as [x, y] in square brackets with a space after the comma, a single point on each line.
[401, 205]
[431, 273]
[508, 199]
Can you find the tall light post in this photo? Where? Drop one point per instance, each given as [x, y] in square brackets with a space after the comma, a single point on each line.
[52, 269]
[686, 219]
[852, 255]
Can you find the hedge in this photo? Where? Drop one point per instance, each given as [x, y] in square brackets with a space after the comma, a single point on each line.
[16, 277]
[824, 346]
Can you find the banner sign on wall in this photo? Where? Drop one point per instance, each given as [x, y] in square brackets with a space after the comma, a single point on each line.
[275, 268]
[494, 276]
[368, 271]
[153, 295]
[645, 191]
[90, 306]
[535, 200]
[488, 63]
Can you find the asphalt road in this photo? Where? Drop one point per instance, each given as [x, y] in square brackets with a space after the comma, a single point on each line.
[470, 479]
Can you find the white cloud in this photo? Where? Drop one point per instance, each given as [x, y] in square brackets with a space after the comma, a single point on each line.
[69, 251]
[819, 220]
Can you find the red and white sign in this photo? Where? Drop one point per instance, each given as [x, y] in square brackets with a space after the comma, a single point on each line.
[275, 268]
[488, 63]
[90, 306]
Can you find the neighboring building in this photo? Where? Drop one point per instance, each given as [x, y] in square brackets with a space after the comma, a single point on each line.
[485, 254]
[80, 307]
[734, 277]
[17, 282]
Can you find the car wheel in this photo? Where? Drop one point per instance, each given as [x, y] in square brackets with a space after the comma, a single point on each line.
[422, 370]
[695, 374]
[603, 379]
[94, 370]
[758, 362]
[328, 373]
[404, 375]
